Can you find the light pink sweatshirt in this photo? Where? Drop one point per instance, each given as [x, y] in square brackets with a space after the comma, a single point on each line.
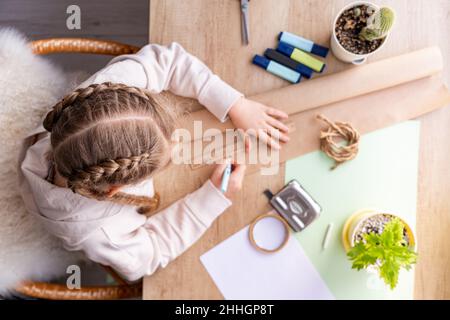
[116, 235]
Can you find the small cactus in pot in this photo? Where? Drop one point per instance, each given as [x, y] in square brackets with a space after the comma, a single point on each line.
[378, 24]
[360, 29]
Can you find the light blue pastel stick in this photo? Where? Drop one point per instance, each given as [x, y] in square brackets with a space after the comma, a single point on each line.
[303, 44]
[225, 178]
[297, 41]
[283, 72]
[277, 69]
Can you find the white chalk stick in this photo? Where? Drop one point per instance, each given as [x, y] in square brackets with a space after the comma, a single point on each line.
[327, 236]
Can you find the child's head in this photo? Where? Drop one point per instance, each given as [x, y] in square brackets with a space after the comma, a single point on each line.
[109, 135]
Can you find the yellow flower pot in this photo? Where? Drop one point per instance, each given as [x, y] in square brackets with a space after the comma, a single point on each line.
[355, 220]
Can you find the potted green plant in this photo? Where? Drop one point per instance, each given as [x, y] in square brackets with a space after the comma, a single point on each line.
[380, 242]
[360, 29]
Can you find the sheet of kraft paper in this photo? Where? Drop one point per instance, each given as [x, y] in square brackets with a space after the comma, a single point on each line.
[370, 97]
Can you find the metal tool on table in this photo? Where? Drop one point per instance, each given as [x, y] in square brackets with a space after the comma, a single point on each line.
[244, 22]
[295, 205]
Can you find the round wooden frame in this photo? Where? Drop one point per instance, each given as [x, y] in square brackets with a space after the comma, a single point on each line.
[252, 238]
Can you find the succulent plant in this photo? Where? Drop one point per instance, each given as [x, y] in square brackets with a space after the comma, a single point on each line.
[378, 24]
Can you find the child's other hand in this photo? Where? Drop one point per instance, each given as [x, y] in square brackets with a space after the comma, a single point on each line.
[236, 178]
[247, 114]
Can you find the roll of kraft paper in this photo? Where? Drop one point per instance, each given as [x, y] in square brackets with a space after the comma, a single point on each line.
[302, 43]
[353, 82]
[277, 69]
[370, 97]
[285, 61]
[300, 56]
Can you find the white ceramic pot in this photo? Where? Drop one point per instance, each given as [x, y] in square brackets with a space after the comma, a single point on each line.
[339, 51]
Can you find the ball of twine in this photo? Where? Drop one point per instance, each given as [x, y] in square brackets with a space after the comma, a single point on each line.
[331, 138]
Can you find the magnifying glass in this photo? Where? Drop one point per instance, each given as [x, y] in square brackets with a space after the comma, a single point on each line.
[269, 233]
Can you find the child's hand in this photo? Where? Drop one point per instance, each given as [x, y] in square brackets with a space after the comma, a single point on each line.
[236, 178]
[247, 114]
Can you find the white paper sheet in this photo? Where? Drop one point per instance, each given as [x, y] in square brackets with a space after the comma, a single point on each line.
[242, 272]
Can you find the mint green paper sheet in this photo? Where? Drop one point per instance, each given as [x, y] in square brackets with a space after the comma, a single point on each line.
[383, 176]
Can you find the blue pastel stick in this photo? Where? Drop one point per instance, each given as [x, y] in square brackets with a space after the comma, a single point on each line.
[225, 178]
[277, 69]
[303, 44]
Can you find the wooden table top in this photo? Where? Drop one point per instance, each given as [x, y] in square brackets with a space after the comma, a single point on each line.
[210, 29]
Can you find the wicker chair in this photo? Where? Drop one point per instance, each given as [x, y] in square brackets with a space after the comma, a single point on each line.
[42, 290]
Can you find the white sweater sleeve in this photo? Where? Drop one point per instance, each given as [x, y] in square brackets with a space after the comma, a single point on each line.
[159, 68]
[138, 252]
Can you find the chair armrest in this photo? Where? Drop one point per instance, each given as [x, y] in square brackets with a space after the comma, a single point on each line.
[42, 290]
[81, 45]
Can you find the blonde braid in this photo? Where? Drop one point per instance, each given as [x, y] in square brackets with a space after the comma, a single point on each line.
[146, 204]
[83, 93]
[84, 181]
[107, 169]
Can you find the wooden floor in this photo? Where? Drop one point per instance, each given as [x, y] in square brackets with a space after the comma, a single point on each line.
[124, 21]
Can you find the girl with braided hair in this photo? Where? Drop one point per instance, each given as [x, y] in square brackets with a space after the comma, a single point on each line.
[87, 171]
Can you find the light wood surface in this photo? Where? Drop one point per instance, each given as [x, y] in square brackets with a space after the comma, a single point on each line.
[210, 29]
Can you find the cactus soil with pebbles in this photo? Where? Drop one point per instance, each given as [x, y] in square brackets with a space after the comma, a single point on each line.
[375, 224]
[348, 28]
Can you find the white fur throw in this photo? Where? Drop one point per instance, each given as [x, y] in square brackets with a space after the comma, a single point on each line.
[29, 86]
